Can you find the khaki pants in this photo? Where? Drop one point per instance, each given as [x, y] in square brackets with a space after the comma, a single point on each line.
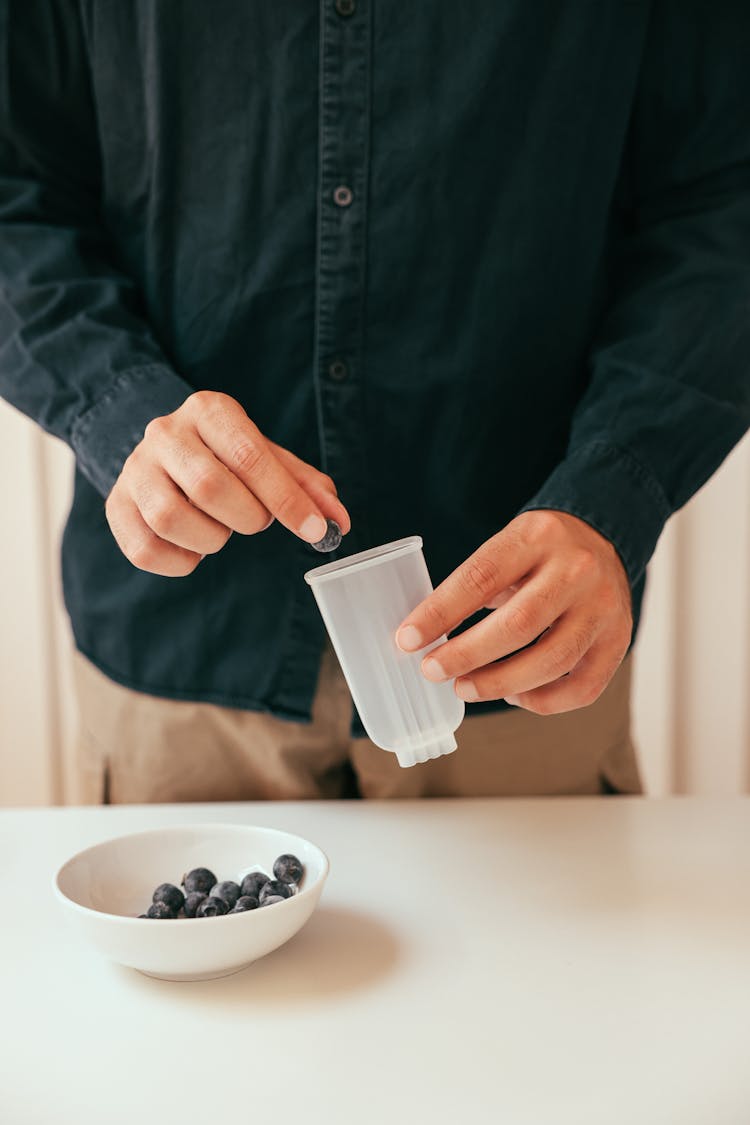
[137, 748]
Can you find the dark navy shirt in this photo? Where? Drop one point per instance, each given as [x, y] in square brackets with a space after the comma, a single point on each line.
[469, 258]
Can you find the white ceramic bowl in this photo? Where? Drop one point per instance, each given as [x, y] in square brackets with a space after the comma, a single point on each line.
[106, 887]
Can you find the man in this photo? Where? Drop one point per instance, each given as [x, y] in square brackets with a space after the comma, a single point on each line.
[486, 267]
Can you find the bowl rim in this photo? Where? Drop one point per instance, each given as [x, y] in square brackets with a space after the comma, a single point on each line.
[166, 829]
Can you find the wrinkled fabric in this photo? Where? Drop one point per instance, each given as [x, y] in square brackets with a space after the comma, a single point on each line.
[534, 293]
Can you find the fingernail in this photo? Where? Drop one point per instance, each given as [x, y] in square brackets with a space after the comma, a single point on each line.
[514, 700]
[433, 670]
[465, 690]
[409, 638]
[313, 529]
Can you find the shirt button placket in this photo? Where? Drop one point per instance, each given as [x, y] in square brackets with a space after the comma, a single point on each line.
[338, 371]
[343, 196]
[344, 126]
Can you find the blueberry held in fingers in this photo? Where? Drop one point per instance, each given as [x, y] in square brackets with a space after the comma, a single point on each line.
[332, 538]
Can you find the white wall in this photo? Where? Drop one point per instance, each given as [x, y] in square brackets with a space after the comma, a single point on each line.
[37, 711]
[691, 703]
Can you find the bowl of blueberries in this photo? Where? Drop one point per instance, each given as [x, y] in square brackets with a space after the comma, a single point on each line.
[192, 902]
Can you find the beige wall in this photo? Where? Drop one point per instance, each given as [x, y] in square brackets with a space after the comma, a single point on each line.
[692, 709]
[37, 714]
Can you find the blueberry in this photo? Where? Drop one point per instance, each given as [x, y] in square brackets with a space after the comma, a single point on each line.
[228, 890]
[167, 892]
[199, 879]
[288, 869]
[243, 903]
[253, 883]
[275, 888]
[160, 910]
[271, 900]
[192, 902]
[332, 538]
[211, 907]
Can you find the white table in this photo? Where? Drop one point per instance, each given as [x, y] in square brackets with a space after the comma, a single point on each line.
[504, 962]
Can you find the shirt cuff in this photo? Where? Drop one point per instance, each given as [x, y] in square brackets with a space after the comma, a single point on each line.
[107, 433]
[612, 491]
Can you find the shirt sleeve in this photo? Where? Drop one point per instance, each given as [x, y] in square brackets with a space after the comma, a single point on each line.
[76, 351]
[669, 388]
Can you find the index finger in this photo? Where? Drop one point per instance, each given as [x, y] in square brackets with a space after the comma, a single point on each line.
[497, 564]
[238, 443]
[317, 485]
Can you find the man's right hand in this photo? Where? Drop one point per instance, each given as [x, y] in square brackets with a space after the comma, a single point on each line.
[203, 472]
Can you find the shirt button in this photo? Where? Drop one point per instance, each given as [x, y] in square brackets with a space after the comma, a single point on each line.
[342, 196]
[338, 370]
[345, 7]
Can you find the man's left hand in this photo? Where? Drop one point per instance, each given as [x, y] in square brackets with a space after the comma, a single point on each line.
[551, 579]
